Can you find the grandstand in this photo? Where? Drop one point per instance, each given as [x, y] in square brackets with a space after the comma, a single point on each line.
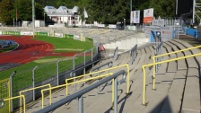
[135, 76]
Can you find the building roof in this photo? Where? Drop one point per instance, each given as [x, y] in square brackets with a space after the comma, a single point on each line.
[62, 10]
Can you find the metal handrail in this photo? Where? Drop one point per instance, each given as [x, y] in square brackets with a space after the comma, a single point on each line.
[20, 96]
[165, 54]
[67, 84]
[98, 67]
[80, 93]
[23, 91]
[153, 64]
[108, 69]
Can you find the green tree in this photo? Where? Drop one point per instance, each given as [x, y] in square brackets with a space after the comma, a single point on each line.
[7, 11]
[163, 8]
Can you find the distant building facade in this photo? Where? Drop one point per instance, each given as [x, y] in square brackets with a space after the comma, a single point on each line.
[63, 15]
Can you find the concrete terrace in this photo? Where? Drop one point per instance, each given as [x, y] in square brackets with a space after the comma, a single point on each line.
[177, 83]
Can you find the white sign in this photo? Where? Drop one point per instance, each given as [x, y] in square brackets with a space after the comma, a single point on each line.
[148, 15]
[26, 33]
[59, 35]
[0, 32]
[136, 16]
[166, 33]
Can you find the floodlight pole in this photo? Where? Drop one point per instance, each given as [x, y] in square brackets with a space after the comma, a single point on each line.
[33, 16]
[176, 7]
[130, 11]
[194, 5]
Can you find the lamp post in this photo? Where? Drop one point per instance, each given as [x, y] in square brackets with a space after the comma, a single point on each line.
[124, 23]
[33, 16]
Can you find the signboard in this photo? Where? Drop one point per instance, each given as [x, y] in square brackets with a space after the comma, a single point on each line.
[26, 33]
[59, 35]
[135, 16]
[148, 15]
[166, 33]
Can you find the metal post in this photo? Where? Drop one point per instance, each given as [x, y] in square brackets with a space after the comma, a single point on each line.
[176, 7]
[58, 71]
[80, 104]
[33, 16]
[194, 13]
[33, 81]
[85, 61]
[115, 95]
[92, 57]
[84, 71]
[92, 54]
[11, 90]
[74, 71]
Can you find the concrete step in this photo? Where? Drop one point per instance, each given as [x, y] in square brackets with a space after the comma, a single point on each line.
[191, 99]
[172, 103]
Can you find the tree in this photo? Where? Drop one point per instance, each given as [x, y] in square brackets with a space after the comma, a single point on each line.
[7, 12]
[163, 8]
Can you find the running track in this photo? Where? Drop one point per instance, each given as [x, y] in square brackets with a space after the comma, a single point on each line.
[28, 50]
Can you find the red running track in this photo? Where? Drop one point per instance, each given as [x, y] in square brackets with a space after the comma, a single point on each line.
[28, 50]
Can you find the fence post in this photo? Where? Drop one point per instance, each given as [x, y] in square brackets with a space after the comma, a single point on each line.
[11, 89]
[115, 95]
[58, 71]
[33, 81]
[80, 104]
[85, 62]
[74, 70]
[92, 54]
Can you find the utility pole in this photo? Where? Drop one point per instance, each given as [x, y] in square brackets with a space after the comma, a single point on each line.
[33, 16]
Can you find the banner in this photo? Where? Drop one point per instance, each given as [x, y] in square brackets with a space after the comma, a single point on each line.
[148, 15]
[137, 16]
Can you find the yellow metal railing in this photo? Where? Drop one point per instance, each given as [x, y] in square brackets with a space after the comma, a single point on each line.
[5, 93]
[81, 76]
[104, 70]
[30, 89]
[20, 96]
[165, 54]
[165, 61]
[63, 85]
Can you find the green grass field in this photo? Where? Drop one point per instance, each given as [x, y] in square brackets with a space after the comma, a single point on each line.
[59, 43]
[47, 65]
[67, 44]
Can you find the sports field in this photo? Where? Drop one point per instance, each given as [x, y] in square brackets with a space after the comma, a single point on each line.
[38, 51]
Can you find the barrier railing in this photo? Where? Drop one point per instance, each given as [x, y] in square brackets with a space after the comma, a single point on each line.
[83, 76]
[153, 64]
[104, 70]
[20, 96]
[63, 85]
[80, 93]
[31, 89]
[161, 55]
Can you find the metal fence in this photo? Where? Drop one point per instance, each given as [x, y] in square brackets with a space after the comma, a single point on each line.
[5, 93]
[52, 72]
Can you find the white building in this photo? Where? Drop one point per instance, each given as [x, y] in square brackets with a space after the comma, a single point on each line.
[63, 14]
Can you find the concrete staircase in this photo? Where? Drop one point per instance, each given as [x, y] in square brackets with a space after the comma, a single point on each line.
[177, 83]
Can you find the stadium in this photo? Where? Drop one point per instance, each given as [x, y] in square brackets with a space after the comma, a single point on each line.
[152, 68]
